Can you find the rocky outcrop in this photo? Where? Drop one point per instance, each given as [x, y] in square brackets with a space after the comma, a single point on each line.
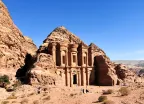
[104, 68]
[13, 45]
[127, 76]
[45, 61]
[39, 69]
[105, 71]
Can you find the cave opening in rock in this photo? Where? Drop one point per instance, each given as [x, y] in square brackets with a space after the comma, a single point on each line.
[23, 73]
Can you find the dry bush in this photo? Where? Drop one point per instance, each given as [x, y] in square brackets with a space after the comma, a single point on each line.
[23, 96]
[4, 102]
[14, 101]
[24, 101]
[108, 102]
[124, 91]
[14, 86]
[44, 94]
[102, 98]
[72, 94]
[12, 96]
[17, 84]
[109, 91]
[36, 102]
[47, 98]
[30, 94]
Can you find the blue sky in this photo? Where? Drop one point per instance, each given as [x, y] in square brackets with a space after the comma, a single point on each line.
[116, 26]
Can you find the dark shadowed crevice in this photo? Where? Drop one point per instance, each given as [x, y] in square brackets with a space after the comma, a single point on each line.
[23, 73]
[96, 68]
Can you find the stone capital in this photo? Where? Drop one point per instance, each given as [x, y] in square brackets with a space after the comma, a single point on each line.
[54, 44]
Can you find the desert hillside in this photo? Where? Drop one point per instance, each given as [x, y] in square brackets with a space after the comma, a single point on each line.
[139, 63]
[13, 45]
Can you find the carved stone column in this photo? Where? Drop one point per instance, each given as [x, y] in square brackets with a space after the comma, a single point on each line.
[71, 79]
[66, 64]
[67, 72]
[87, 76]
[54, 52]
[83, 77]
[79, 78]
[87, 58]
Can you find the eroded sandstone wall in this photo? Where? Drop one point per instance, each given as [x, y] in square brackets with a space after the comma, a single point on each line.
[13, 45]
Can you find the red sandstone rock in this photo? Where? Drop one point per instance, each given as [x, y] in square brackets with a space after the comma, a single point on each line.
[13, 45]
[126, 75]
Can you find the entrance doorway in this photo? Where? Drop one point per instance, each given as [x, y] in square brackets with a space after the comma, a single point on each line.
[75, 79]
[96, 65]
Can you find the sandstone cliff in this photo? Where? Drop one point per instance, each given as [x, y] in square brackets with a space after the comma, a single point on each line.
[13, 45]
[105, 69]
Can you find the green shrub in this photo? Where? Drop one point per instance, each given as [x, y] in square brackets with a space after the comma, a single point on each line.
[102, 98]
[124, 91]
[4, 80]
[109, 91]
[108, 102]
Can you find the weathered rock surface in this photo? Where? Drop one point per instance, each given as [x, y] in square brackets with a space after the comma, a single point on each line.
[39, 70]
[44, 71]
[105, 72]
[13, 45]
[127, 76]
[61, 34]
[45, 61]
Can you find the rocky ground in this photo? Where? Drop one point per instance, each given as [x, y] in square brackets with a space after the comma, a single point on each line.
[64, 95]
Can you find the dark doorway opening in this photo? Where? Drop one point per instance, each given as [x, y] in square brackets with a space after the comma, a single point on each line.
[75, 79]
[96, 68]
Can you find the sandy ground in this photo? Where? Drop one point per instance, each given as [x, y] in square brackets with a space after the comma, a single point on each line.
[65, 95]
